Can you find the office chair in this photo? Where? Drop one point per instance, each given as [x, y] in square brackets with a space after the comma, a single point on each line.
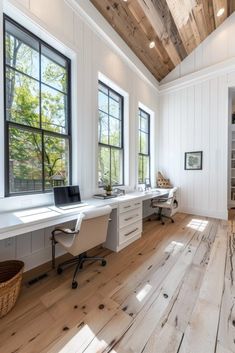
[168, 202]
[90, 230]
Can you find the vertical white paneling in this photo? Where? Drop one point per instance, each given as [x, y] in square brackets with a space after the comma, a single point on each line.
[205, 142]
[198, 143]
[7, 249]
[213, 143]
[201, 112]
[222, 137]
[217, 47]
[47, 236]
[23, 245]
[37, 240]
[56, 15]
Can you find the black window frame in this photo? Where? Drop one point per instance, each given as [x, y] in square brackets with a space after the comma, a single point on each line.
[100, 144]
[42, 131]
[141, 154]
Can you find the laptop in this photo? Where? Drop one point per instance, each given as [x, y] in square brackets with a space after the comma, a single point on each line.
[68, 197]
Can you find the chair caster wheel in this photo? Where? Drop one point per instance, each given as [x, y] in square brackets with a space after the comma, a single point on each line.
[74, 284]
[59, 270]
[103, 263]
[163, 223]
[172, 221]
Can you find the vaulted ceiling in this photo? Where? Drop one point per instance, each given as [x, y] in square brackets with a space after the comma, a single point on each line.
[175, 27]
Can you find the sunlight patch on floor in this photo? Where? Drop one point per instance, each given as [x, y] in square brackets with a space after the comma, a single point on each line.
[198, 224]
[174, 247]
[143, 292]
[80, 339]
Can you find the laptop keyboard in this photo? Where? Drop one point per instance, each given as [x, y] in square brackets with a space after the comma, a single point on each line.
[78, 205]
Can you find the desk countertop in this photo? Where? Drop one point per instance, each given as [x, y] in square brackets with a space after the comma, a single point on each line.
[28, 220]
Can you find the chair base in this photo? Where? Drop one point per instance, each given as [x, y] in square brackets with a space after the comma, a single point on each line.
[160, 217]
[78, 261]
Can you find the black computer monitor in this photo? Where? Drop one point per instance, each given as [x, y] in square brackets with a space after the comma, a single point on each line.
[65, 195]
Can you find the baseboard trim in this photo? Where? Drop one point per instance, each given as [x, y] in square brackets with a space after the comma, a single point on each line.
[205, 213]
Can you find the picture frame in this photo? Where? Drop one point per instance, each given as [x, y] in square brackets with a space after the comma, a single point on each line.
[193, 160]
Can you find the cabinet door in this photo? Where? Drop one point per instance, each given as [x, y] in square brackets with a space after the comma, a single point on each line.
[130, 231]
[130, 217]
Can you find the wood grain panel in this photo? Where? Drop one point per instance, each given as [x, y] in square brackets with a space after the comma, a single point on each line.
[165, 29]
[121, 19]
[176, 26]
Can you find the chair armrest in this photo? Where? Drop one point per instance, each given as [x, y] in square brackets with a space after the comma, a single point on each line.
[158, 199]
[65, 231]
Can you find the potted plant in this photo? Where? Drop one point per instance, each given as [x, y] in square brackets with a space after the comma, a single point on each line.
[108, 189]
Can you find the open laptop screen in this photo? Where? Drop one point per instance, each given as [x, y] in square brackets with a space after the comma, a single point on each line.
[66, 195]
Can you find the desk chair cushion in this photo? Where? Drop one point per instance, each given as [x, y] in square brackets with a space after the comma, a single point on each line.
[90, 231]
[165, 202]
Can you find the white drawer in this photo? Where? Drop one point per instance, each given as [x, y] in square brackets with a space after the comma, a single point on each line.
[130, 231]
[130, 217]
[129, 205]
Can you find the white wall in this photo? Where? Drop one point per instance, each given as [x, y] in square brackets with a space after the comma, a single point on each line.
[90, 54]
[194, 117]
[218, 47]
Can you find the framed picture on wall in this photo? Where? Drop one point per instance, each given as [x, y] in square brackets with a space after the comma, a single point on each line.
[193, 160]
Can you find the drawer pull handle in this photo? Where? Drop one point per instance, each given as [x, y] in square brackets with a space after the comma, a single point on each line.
[128, 219]
[131, 232]
[137, 203]
[127, 206]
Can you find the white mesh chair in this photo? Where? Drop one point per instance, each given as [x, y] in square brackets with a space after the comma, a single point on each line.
[90, 230]
[168, 202]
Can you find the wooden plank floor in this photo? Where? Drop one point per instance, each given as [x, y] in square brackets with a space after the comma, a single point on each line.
[172, 291]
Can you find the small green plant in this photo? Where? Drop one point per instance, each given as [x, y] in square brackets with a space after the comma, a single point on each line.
[108, 188]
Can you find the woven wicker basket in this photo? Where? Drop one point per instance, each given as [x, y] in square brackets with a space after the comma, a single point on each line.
[10, 283]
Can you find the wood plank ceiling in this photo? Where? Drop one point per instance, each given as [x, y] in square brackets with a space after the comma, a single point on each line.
[176, 27]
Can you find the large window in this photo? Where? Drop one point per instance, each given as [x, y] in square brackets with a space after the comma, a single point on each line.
[110, 160]
[37, 113]
[144, 146]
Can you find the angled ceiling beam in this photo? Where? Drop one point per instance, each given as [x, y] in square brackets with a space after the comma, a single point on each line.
[217, 5]
[208, 11]
[155, 17]
[146, 26]
[120, 17]
[185, 22]
[231, 6]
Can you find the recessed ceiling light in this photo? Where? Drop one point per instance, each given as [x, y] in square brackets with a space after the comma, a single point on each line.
[220, 12]
[152, 44]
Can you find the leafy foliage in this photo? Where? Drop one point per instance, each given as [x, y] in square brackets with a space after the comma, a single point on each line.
[29, 148]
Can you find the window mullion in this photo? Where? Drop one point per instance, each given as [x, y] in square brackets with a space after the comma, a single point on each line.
[110, 165]
[40, 87]
[37, 132]
[43, 160]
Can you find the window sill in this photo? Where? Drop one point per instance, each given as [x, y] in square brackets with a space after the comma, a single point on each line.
[25, 201]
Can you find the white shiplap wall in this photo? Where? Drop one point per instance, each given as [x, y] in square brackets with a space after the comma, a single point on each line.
[195, 118]
[216, 48]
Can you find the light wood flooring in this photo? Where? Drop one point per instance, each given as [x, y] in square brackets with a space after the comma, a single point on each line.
[172, 291]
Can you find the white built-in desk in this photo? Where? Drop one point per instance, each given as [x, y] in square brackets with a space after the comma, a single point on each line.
[127, 213]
